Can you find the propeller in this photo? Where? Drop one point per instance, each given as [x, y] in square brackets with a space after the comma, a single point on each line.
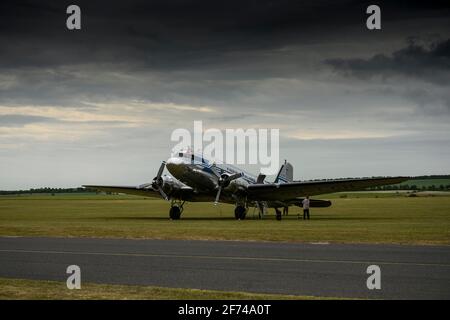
[224, 180]
[157, 182]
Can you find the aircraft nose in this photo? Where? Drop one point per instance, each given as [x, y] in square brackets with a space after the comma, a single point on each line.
[176, 166]
[174, 161]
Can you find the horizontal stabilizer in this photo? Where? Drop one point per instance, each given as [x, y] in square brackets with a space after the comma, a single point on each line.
[314, 203]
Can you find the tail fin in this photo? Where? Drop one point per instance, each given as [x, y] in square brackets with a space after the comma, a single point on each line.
[286, 173]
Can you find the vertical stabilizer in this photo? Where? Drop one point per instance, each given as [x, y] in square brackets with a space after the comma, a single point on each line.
[286, 173]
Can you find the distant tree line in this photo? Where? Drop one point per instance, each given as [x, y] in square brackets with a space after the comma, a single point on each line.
[432, 187]
[443, 176]
[47, 190]
[431, 177]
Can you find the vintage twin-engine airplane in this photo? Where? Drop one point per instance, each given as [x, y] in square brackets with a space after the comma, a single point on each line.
[194, 178]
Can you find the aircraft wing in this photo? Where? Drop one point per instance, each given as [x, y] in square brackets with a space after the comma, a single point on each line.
[285, 191]
[148, 192]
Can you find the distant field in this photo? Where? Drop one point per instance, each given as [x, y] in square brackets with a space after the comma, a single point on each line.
[353, 217]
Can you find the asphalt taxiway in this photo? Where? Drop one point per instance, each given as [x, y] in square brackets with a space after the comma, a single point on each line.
[317, 269]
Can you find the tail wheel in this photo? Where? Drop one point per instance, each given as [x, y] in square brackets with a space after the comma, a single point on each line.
[175, 213]
[240, 212]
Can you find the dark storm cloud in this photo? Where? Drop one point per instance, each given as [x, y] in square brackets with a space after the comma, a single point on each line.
[429, 63]
[252, 64]
[194, 52]
[169, 35]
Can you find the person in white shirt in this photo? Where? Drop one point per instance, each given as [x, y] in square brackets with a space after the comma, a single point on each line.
[305, 204]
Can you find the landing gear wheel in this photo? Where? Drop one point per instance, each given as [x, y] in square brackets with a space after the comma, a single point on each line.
[175, 213]
[278, 214]
[240, 212]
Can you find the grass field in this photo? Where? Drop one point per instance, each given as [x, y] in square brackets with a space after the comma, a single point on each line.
[354, 217]
[14, 289]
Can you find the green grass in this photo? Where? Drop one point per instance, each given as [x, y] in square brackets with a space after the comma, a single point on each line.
[359, 218]
[45, 290]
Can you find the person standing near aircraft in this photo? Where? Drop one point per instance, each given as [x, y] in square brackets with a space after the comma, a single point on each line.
[305, 204]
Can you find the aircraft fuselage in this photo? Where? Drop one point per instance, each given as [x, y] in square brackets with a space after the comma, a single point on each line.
[198, 173]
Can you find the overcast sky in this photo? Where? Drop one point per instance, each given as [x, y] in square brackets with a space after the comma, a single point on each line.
[98, 105]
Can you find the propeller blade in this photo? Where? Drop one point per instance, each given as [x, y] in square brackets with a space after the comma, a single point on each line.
[163, 194]
[234, 176]
[224, 182]
[161, 169]
[157, 182]
[218, 196]
[145, 185]
[260, 178]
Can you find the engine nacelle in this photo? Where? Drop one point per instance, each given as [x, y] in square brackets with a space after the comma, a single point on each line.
[170, 184]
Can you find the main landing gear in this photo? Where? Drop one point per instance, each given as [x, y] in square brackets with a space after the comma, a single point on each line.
[176, 210]
[240, 212]
[278, 214]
